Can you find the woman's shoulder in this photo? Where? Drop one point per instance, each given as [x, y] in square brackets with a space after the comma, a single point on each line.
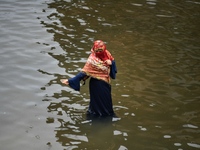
[109, 55]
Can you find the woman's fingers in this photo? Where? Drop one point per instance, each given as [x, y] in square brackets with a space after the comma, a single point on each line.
[108, 62]
[65, 81]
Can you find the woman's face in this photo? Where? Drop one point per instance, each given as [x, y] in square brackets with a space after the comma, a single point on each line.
[99, 50]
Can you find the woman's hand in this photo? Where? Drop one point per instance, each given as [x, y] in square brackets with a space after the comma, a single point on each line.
[108, 62]
[65, 81]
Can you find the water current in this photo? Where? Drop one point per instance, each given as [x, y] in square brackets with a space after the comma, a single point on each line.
[156, 95]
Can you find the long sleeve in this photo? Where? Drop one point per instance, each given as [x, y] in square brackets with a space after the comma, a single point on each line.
[113, 70]
[75, 81]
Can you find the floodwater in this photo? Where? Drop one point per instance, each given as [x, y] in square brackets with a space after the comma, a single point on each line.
[156, 96]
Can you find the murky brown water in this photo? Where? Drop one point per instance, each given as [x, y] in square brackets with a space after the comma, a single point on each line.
[156, 94]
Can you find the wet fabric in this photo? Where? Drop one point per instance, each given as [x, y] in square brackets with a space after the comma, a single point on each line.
[100, 98]
[100, 95]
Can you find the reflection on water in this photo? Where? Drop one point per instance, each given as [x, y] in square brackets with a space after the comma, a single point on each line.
[156, 93]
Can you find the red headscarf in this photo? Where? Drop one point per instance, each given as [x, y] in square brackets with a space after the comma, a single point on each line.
[103, 55]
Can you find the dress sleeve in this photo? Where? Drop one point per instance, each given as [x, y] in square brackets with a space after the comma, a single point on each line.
[113, 70]
[75, 81]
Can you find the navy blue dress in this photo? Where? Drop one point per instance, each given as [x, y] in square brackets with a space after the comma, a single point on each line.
[100, 98]
[100, 93]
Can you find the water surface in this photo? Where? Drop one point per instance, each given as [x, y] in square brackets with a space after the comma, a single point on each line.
[156, 93]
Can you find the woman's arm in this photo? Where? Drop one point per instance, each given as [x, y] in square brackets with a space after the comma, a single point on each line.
[75, 81]
[113, 70]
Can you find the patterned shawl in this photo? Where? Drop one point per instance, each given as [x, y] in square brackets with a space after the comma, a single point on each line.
[96, 66]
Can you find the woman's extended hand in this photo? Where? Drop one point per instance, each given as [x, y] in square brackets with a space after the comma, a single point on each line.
[65, 81]
[108, 62]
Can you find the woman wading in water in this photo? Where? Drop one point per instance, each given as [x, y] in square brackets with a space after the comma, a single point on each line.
[100, 67]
